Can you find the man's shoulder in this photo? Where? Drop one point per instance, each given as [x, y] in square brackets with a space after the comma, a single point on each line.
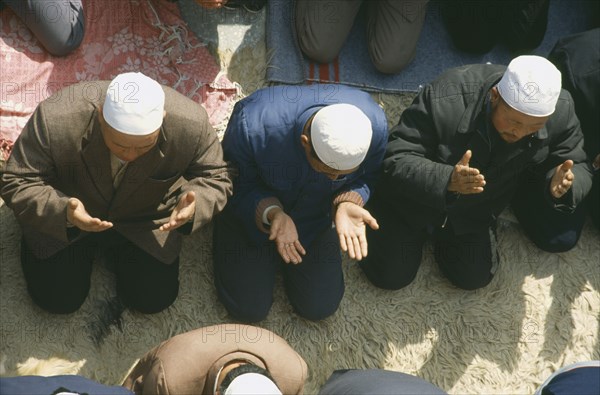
[184, 114]
[74, 97]
[224, 336]
[71, 109]
[294, 96]
[468, 79]
[563, 112]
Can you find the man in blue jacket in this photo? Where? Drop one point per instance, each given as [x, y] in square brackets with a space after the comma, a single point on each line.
[307, 156]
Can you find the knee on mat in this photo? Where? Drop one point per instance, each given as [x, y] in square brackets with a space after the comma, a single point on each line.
[386, 275]
[149, 303]
[55, 303]
[63, 49]
[249, 314]
[390, 62]
[249, 309]
[561, 243]
[317, 51]
[471, 283]
[317, 310]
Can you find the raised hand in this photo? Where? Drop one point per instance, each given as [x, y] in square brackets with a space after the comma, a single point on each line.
[562, 179]
[350, 223]
[283, 232]
[183, 212]
[78, 216]
[466, 179]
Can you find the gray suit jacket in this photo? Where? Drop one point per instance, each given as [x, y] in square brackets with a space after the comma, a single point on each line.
[61, 154]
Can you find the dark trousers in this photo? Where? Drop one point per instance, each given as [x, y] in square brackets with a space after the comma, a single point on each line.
[469, 261]
[61, 283]
[478, 25]
[245, 274]
[549, 229]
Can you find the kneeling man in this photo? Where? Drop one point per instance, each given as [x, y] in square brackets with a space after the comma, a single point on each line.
[472, 141]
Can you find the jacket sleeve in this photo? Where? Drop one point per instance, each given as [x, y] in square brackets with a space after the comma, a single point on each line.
[408, 170]
[249, 189]
[209, 176]
[568, 144]
[26, 181]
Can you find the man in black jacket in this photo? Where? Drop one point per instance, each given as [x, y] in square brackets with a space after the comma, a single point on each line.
[468, 144]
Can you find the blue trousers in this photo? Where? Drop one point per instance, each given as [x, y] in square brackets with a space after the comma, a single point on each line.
[245, 274]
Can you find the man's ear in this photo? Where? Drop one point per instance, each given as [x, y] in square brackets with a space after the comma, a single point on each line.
[304, 141]
[494, 94]
[100, 115]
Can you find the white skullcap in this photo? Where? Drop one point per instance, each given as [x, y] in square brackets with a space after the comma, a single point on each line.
[134, 104]
[531, 85]
[252, 384]
[341, 136]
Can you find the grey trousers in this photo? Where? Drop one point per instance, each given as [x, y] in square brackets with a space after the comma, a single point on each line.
[58, 24]
[393, 28]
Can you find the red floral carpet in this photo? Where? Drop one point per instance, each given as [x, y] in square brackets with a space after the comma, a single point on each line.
[137, 35]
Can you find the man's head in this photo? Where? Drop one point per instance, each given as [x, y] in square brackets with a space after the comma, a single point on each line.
[248, 379]
[525, 97]
[132, 115]
[336, 139]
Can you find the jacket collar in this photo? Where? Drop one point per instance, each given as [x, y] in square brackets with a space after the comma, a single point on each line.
[96, 157]
[139, 171]
[475, 108]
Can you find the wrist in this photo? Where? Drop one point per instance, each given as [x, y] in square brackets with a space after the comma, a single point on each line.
[271, 213]
[345, 203]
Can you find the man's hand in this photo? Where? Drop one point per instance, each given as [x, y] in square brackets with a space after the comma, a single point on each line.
[211, 3]
[283, 232]
[562, 179]
[596, 162]
[465, 179]
[185, 210]
[78, 216]
[350, 221]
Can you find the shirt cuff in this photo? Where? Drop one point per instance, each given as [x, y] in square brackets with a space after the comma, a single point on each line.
[265, 216]
[263, 205]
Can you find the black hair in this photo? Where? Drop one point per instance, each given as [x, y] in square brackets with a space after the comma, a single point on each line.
[243, 369]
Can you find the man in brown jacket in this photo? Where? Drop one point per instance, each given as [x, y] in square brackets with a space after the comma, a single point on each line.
[222, 359]
[130, 166]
